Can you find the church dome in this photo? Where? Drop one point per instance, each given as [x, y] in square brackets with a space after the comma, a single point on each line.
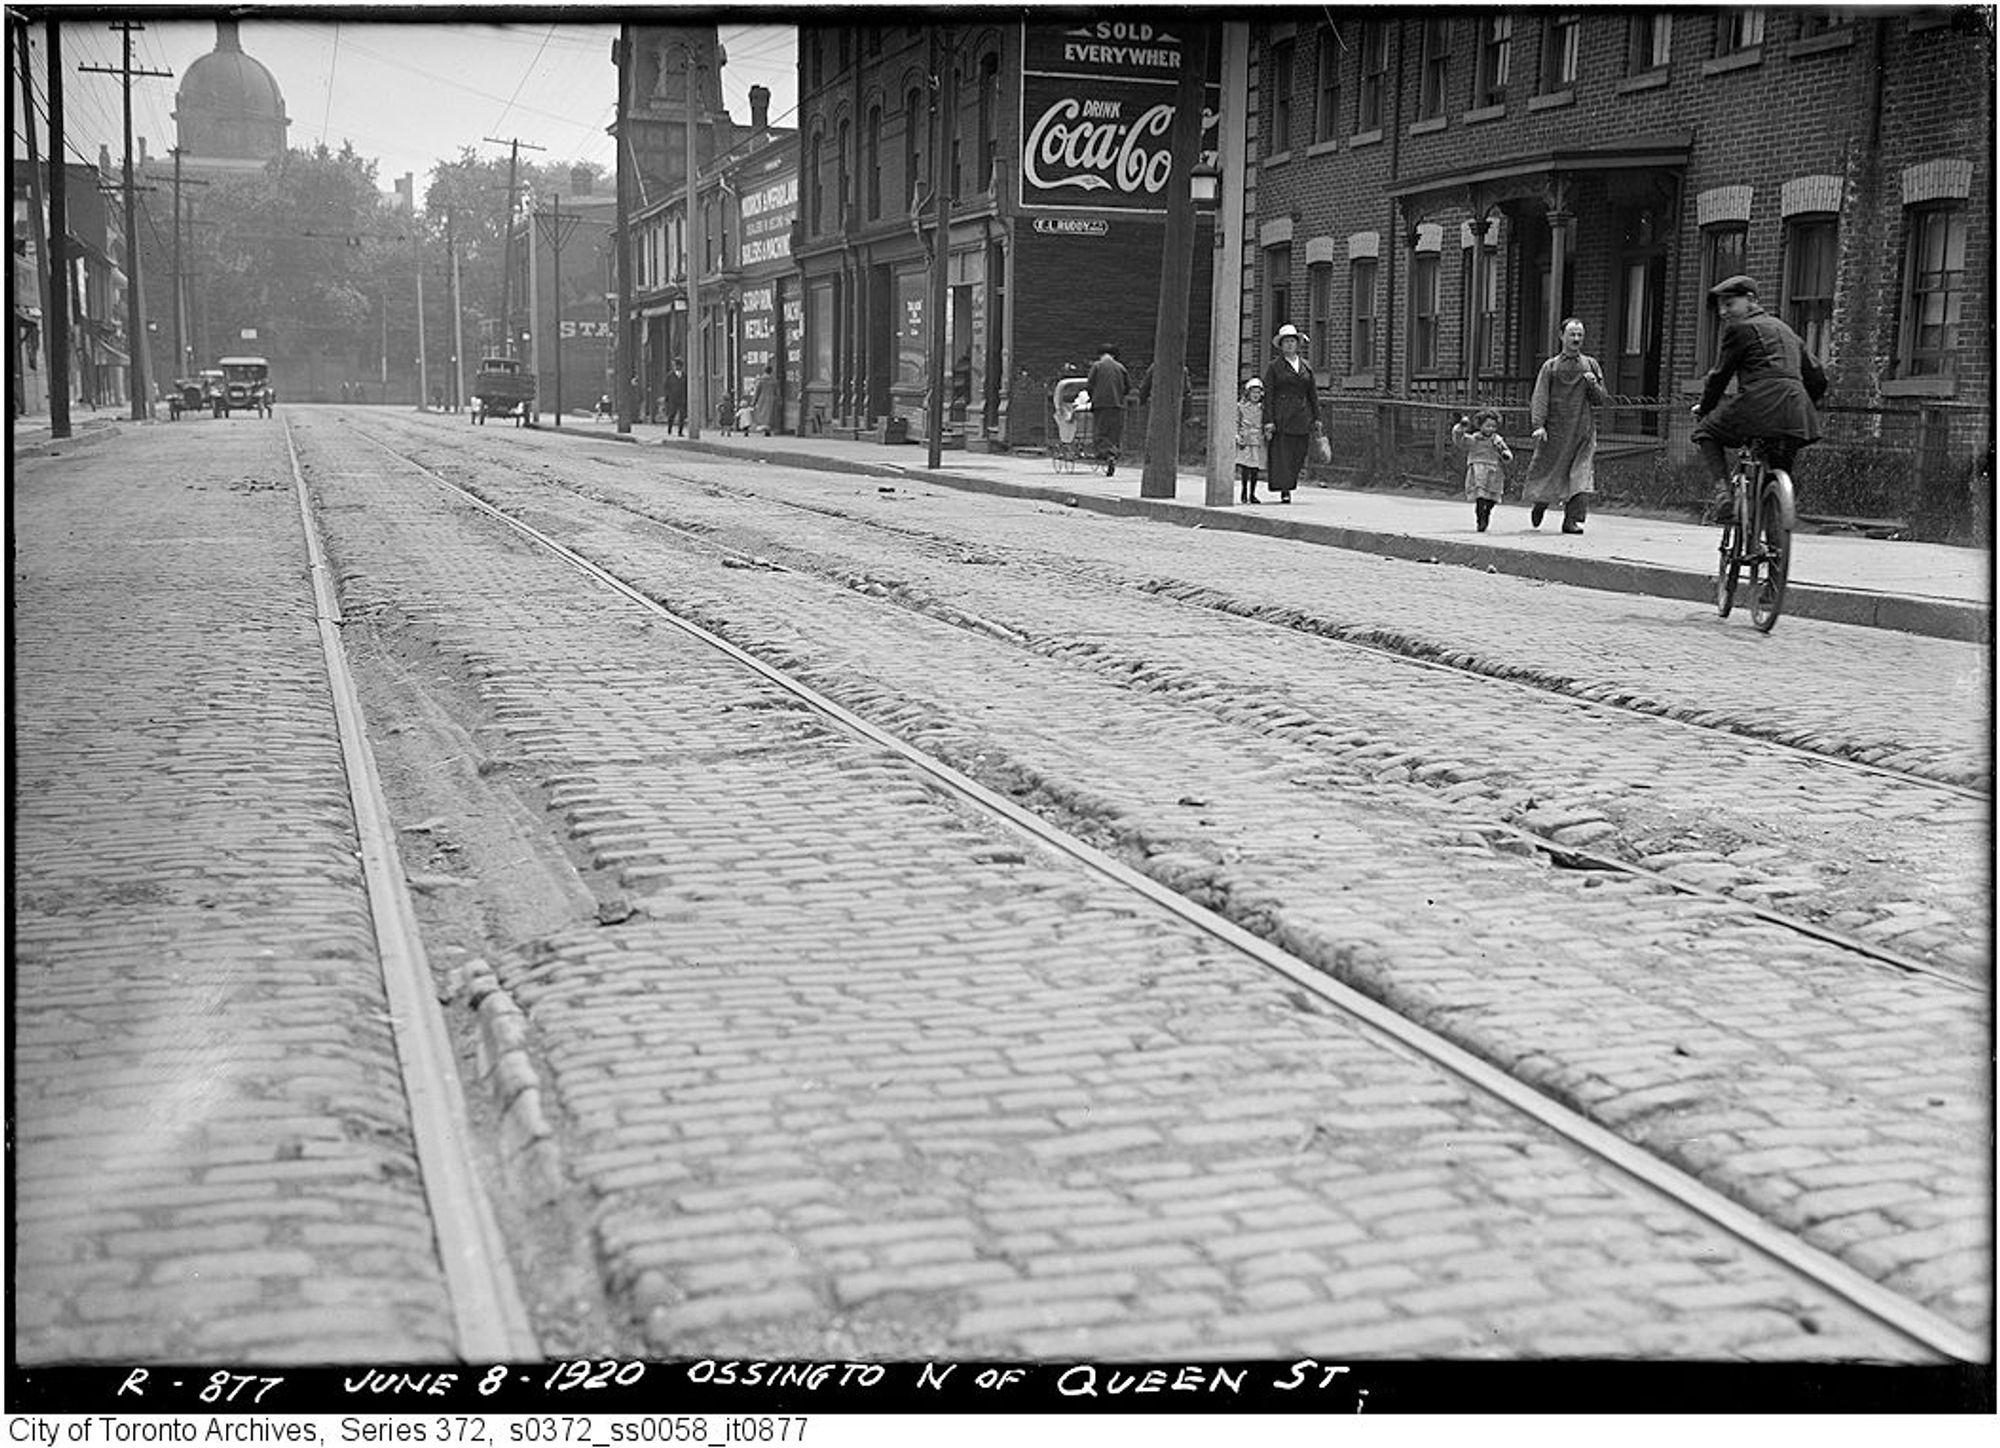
[227, 107]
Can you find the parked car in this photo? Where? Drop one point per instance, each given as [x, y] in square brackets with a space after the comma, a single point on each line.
[246, 386]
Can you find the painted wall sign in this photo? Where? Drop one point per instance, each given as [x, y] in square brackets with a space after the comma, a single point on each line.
[1097, 112]
[767, 214]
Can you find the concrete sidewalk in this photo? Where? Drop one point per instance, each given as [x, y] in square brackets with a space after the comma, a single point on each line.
[1923, 588]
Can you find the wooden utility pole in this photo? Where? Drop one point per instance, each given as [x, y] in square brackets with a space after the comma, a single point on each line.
[58, 254]
[697, 365]
[944, 93]
[180, 280]
[44, 273]
[1225, 317]
[514, 146]
[621, 241]
[457, 320]
[135, 333]
[560, 227]
[1170, 328]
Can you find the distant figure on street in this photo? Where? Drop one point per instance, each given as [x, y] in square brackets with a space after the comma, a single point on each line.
[1291, 409]
[764, 401]
[1250, 437]
[1485, 452]
[1108, 385]
[676, 400]
[1563, 411]
[603, 406]
[347, 392]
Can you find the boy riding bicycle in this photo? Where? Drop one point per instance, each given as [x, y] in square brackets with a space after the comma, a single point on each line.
[1777, 385]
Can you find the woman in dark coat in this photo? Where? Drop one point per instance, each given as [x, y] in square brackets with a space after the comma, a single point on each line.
[1291, 410]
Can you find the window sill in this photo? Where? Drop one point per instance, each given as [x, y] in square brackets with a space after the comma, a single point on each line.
[1364, 138]
[1644, 81]
[1358, 379]
[1741, 60]
[1819, 44]
[1323, 148]
[1276, 159]
[1550, 101]
[1484, 113]
[1427, 128]
[1918, 387]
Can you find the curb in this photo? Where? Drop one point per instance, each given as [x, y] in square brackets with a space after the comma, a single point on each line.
[1932, 618]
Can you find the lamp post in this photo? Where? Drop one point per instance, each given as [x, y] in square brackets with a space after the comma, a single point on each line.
[1176, 271]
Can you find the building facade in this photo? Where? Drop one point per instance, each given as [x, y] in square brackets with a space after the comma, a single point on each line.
[1053, 160]
[99, 351]
[1431, 193]
[558, 249]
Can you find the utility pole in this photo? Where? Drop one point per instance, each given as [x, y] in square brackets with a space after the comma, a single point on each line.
[1170, 328]
[621, 241]
[58, 254]
[1225, 317]
[945, 96]
[513, 145]
[534, 321]
[560, 227]
[135, 334]
[457, 320]
[180, 283]
[44, 276]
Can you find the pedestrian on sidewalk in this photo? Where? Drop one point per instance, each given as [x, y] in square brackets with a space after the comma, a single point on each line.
[1563, 412]
[1250, 437]
[1108, 385]
[676, 400]
[764, 401]
[1291, 410]
[1485, 453]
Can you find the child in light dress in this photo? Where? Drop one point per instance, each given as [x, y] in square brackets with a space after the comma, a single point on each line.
[1485, 453]
[1250, 438]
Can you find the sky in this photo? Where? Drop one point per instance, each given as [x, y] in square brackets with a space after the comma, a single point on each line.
[407, 94]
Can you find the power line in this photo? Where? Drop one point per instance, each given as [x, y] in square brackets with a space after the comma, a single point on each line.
[524, 78]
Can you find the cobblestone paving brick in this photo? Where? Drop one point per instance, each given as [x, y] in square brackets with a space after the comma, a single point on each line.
[1710, 1006]
[808, 1008]
[202, 1056]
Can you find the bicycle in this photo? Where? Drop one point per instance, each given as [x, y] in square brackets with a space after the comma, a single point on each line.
[1757, 536]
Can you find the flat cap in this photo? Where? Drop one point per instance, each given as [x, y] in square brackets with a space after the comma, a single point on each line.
[1736, 286]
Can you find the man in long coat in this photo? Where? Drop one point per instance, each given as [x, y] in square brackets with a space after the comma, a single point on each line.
[1777, 386]
[1563, 413]
[1107, 384]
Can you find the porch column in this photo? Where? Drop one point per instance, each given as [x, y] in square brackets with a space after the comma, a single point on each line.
[1561, 223]
[1475, 292]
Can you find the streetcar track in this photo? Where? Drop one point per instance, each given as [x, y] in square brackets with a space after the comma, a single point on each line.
[1867, 950]
[1652, 1173]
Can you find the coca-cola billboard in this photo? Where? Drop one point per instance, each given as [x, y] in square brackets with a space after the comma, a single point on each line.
[1097, 113]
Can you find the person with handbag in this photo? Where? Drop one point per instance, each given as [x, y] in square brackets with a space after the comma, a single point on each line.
[1291, 411]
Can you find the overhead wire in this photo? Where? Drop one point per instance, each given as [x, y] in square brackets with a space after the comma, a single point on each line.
[525, 75]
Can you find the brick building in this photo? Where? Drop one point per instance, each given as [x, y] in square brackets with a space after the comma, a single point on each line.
[564, 306]
[1431, 192]
[1053, 246]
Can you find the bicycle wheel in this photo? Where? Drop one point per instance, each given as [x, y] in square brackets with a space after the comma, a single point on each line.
[1729, 565]
[1774, 555]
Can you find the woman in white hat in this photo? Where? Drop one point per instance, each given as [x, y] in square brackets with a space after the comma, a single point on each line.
[1291, 410]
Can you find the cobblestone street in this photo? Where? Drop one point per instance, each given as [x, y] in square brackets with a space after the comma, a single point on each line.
[783, 1052]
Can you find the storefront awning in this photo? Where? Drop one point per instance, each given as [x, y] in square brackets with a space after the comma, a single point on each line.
[1633, 153]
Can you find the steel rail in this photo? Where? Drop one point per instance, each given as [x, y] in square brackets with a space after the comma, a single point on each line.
[491, 1320]
[1914, 1321]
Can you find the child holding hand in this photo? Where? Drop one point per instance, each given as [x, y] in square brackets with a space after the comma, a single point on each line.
[1250, 438]
[1485, 451]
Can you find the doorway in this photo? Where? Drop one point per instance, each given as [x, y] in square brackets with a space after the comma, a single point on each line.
[1641, 272]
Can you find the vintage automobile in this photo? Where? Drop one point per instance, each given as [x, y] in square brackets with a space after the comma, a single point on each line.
[246, 386]
[502, 388]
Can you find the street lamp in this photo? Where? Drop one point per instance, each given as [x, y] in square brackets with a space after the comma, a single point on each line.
[1205, 184]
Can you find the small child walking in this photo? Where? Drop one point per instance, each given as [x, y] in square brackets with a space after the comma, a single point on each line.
[1485, 451]
[1250, 438]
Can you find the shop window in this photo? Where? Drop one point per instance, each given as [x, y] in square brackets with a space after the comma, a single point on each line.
[1723, 249]
[989, 130]
[1435, 69]
[1496, 42]
[1280, 139]
[1652, 42]
[1374, 75]
[1424, 312]
[1562, 43]
[1361, 338]
[1811, 256]
[1319, 314]
[1934, 291]
[1326, 85]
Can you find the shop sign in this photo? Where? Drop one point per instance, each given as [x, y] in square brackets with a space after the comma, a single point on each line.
[1072, 226]
[1097, 113]
[758, 311]
[767, 216]
[585, 329]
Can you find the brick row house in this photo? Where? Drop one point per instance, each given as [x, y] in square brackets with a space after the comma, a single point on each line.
[99, 354]
[1432, 192]
[1053, 165]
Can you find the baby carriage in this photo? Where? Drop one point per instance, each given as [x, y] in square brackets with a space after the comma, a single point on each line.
[1071, 446]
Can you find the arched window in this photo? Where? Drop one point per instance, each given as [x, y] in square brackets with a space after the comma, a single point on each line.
[989, 117]
[871, 162]
[816, 184]
[913, 142]
[846, 193]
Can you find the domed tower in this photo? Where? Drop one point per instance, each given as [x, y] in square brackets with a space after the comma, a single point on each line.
[228, 112]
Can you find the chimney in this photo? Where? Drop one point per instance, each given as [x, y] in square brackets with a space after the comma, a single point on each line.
[579, 181]
[103, 158]
[142, 150]
[760, 108]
